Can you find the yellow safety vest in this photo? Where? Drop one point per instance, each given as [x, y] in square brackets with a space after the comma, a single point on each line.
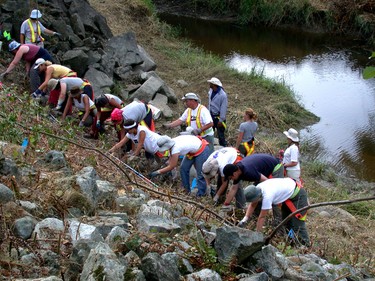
[32, 31]
[197, 119]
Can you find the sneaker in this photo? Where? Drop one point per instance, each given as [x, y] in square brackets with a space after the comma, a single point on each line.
[35, 96]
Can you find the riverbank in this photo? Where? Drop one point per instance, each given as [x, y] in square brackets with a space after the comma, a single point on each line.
[177, 59]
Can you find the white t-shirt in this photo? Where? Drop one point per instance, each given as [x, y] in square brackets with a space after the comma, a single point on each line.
[81, 105]
[135, 110]
[186, 144]
[205, 118]
[276, 191]
[151, 140]
[224, 156]
[291, 154]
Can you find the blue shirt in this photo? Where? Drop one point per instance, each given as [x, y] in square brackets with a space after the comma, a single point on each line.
[218, 103]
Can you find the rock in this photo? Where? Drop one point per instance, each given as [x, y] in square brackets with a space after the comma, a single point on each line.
[130, 205]
[148, 89]
[103, 264]
[155, 267]
[204, 275]
[81, 231]
[9, 168]
[106, 193]
[105, 224]
[182, 83]
[271, 261]
[56, 159]
[6, 195]
[148, 63]
[100, 81]
[86, 180]
[238, 243]
[77, 60]
[132, 259]
[24, 227]
[49, 228]
[254, 277]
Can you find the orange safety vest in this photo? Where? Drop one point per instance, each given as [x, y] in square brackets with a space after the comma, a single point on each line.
[197, 119]
[200, 150]
[32, 31]
[292, 207]
[249, 148]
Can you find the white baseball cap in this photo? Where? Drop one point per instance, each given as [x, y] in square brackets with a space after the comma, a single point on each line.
[38, 62]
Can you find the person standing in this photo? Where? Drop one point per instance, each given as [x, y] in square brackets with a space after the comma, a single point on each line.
[196, 116]
[291, 155]
[245, 140]
[218, 105]
[32, 29]
[277, 191]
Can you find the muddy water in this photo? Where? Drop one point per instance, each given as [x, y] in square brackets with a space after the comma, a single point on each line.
[324, 71]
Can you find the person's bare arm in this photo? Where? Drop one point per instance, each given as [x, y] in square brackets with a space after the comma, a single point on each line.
[114, 103]
[21, 51]
[141, 141]
[22, 38]
[87, 108]
[231, 194]
[239, 139]
[48, 76]
[173, 124]
[261, 219]
[66, 109]
[118, 145]
[173, 161]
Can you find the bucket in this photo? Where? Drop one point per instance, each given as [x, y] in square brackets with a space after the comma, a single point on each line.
[156, 112]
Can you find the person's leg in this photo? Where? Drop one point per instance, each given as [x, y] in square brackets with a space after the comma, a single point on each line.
[199, 160]
[299, 226]
[210, 140]
[185, 172]
[221, 135]
[35, 79]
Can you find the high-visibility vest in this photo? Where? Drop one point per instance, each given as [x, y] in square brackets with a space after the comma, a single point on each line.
[198, 118]
[32, 31]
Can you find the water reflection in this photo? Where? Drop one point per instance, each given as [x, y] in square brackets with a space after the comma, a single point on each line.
[324, 71]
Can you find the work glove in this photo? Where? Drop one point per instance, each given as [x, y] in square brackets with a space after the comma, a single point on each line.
[37, 94]
[57, 34]
[154, 174]
[243, 222]
[81, 124]
[196, 132]
[98, 124]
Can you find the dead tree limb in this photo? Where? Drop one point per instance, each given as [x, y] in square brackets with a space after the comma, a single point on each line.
[332, 203]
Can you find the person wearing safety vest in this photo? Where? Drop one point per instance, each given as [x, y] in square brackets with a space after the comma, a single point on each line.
[30, 54]
[245, 139]
[277, 191]
[32, 29]
[196, 116]
[214, 166]
[142, 138]
[195, 151]
[82, 99]
[51, 71]
[218, 105]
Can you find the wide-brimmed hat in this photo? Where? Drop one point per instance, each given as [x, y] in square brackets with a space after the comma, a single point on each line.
[210, 168]
[189, 131]
[215, 81]
[190, 96]
[52, 83]
[292, 134]
[39, 62]
[13, 46]
[252, 193]
[165, 143]
[35, 14]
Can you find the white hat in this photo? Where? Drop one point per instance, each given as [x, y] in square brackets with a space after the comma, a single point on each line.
[189, 130]
[191, 96]
[35, 14]
[292, 134]
[165, 143]
[215, 81]
[39, 62]
[210, 168]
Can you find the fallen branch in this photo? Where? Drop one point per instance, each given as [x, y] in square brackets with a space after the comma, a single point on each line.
[343, 202]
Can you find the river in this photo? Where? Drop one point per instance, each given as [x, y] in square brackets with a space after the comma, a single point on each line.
[324, 71]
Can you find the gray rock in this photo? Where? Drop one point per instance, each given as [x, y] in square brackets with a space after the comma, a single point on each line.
[29, 259]
[77, 25]
[148, 89]
[132, 259]
[24, 227]
[271, 261]
[148, 63]
[106, 193]
[182, 83]
[155, 267]
[99, 80]
[238, 243]
[106, 224]
[204, 275]
[56, 159]
[6, 195]
[254, 277]
[30, 207]
[77, 60]
[103, 264]
[130, 205]
[156, 224]
[9, 168]
[81, 231]
[86, 180]
[49, 228]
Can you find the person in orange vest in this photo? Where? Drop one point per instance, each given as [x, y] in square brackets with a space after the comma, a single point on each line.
[195, 151]
[32, 29]
[277, 191]
[198, 117]
[245, 139]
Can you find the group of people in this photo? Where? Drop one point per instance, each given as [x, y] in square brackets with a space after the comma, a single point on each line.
[275, 183]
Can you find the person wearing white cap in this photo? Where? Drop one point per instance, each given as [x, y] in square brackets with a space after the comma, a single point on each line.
[291, 155]
[195, 151]
[214, 166]
[218, 105]
[196, 116]
[32, 29]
